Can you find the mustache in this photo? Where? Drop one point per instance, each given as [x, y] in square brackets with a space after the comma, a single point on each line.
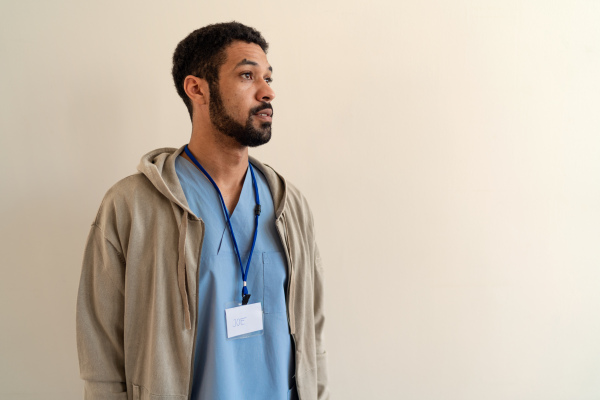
[264, 106]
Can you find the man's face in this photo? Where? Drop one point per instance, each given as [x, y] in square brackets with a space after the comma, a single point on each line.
[240, 101]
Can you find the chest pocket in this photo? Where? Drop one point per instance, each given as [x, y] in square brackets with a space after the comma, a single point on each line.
[275, 282]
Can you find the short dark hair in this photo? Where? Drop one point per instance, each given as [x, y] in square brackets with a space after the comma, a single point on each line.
[202, 53]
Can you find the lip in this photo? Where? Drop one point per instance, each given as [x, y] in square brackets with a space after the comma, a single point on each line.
[268, 115]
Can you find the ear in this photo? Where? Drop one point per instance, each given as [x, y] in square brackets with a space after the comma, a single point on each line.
[196, 89]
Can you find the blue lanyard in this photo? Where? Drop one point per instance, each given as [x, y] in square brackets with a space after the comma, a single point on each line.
[245, 294]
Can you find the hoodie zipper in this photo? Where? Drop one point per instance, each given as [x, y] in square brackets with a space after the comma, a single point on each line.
[288, 256]
[285, 241]
[195, 326]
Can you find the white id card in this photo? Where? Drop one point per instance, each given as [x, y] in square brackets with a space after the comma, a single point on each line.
[244, 321]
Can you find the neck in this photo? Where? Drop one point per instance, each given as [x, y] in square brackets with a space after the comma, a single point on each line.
[224, 159]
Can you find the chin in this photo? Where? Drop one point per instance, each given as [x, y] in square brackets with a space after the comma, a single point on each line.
[258, 139]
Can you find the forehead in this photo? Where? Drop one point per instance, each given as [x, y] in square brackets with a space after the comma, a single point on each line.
[238, 51]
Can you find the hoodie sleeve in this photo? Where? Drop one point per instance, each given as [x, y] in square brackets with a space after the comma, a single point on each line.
[100, 319]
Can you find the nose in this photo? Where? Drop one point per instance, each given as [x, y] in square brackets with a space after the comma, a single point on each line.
[265, 92]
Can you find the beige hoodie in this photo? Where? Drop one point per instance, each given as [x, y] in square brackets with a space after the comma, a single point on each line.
[137, 301]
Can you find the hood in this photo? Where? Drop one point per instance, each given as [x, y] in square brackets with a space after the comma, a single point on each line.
[159, 167]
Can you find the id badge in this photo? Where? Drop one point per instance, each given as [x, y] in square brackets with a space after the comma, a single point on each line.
[243, 321]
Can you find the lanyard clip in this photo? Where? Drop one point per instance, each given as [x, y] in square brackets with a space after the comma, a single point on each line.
[245, 295]
[245, 298]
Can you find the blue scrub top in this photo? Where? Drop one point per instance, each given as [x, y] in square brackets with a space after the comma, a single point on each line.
[257, 367]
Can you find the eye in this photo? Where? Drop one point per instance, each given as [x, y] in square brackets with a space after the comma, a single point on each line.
[246, 75]
[269, 80]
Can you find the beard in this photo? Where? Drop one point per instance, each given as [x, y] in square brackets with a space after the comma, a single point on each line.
[246, 135]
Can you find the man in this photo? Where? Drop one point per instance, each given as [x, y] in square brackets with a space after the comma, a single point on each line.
[201, 277]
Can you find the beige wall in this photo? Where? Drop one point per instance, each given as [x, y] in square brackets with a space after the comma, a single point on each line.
[449, 149]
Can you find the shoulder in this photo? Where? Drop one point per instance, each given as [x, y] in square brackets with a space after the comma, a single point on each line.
[285, 194]
[132, 185]
[295, 199]
[292, 201]
[128, 191]
[131, 197]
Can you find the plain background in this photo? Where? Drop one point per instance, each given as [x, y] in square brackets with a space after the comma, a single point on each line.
[449, 150]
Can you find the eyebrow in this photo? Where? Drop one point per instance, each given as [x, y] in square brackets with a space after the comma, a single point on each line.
[248, 62]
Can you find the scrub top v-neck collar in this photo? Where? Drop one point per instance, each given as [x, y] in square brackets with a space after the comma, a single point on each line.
[241, 216]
